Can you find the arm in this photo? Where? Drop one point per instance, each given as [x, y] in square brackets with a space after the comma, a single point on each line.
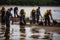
[51, 15]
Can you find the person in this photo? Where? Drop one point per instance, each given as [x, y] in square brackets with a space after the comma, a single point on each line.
[32, 15]
[16, 11]
[8, 14]
[38, 14]
[47, 17]
[22, 16]
[12, 16]
[3, 11]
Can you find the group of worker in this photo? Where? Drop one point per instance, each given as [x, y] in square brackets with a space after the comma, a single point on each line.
[35, 14]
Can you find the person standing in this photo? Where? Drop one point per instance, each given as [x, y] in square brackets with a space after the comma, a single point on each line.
[12, 16]
[22, 16]
[38, 14]
[16, 11]
[8, 14]
[3, 11]
[33, 15]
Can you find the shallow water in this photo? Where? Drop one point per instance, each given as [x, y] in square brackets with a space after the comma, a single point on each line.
[30, 32]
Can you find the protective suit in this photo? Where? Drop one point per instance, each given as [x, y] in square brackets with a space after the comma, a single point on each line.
[3, 11]
[38, 14]
[22, 17]
[47, 16]
[33, 15]
[16, 11]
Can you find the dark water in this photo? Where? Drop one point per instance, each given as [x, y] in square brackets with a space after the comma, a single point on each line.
[30, 32]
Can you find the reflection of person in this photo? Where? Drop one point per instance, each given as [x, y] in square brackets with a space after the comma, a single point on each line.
[16, 11]
[3, 15]
[47, 16]
[7, 34]
[38, 14]
[22, 16]
[32, 15]
[22, 30]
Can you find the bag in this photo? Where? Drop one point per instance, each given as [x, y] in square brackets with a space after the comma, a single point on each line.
[54, 22]
[40, 23]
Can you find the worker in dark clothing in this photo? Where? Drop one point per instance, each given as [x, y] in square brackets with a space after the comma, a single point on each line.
[47, 16]
[3, 11]
[8, 14]
[22, 16]
[33, 15]
[38, 14]
[16, 11]
[12, 15]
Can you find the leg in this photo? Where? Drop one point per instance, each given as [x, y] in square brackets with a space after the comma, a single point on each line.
[34, 19]
[12, 20]
[37, 18]
[7, 32]
[24, 19]
[14, 14]
[49, 21]
[45, 21]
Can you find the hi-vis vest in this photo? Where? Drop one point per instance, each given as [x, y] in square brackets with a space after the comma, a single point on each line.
[47, 14]
[31, 12]
[23, 13]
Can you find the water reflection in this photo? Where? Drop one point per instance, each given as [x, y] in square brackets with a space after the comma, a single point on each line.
[56, 36]
[22, 29]
[7, 38]
[2, 30]
[17, 32]
[28, 32]
[41, 33]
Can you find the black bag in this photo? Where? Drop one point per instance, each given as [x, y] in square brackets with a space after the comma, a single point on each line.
[54, 22]
[40, 23]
